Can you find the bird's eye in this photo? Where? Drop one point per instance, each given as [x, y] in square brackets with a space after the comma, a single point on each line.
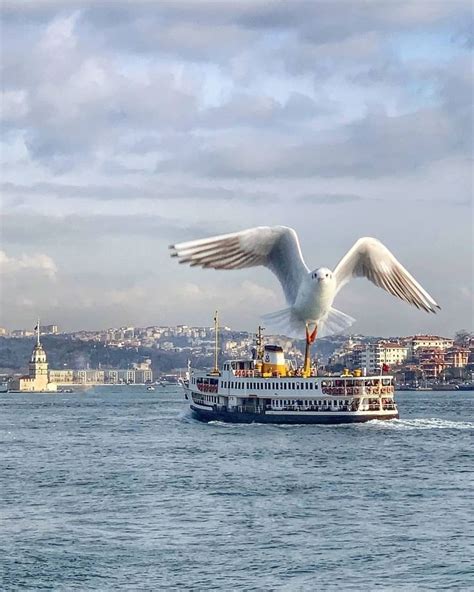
[327, 274]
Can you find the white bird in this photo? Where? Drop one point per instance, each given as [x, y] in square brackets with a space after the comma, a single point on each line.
[309, 294]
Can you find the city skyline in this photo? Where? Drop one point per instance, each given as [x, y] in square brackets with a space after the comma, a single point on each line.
[127, 130]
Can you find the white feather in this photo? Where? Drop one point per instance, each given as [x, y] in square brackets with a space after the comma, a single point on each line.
[309, 295]
[371, 259]
[274, 247]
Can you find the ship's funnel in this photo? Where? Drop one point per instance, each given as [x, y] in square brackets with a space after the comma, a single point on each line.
[274, 361]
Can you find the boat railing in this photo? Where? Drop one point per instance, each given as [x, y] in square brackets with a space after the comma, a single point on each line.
[349, 391]
[258, 374]
[317, 408]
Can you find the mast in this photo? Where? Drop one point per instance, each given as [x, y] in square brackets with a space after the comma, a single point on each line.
[38, 332]
[259, 342]
[216, 343]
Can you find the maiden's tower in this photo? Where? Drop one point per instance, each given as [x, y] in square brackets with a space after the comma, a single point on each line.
[37, 379]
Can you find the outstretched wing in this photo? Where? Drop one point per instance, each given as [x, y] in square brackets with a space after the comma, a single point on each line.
[275, 247]
[371, 259]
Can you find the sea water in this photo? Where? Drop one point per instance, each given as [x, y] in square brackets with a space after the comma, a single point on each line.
[120, 489]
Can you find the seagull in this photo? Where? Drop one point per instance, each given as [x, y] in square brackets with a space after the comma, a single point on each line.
[309, 294]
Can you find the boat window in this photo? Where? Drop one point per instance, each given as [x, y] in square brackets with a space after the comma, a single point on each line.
[277, 385]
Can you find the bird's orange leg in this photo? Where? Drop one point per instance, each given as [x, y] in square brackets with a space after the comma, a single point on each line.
[310, 339]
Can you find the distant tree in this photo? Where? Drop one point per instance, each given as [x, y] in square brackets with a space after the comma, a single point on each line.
[462, 336]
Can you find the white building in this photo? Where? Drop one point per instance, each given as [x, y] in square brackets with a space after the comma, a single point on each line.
[372, 356]
[427, 341]
[394, 354]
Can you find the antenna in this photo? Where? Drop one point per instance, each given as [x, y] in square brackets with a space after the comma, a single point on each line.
[216, 343]
[38, 332]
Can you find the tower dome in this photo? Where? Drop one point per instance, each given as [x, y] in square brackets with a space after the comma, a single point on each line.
[38, 355]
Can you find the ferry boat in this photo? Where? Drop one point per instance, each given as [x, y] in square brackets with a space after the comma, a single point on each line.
[267, 389]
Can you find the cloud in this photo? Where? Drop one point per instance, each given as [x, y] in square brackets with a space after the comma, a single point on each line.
[37, 262]
[329, 199]
[127, 126]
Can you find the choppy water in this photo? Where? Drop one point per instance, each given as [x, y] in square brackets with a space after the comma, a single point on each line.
[122, 490]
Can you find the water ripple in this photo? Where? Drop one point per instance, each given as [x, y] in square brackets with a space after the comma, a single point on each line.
[123, 490]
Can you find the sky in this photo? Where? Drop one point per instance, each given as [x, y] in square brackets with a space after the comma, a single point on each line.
[128, 126]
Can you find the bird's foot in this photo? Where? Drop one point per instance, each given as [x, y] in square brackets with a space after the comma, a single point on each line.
[311, 337]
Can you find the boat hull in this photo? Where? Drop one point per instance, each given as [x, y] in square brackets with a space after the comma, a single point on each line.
[330, 418]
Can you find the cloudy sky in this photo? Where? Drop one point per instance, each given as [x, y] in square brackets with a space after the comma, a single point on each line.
[128, 126]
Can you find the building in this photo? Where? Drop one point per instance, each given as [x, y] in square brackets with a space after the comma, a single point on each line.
[431, 362]
[371, 356]
[427, 341]
[457, 357]
[38, 379]
[94, 376]
[393, 353]
[61, 376]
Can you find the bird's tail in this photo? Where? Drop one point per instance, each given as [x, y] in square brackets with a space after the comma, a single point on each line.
[286, 322]
[335, 322]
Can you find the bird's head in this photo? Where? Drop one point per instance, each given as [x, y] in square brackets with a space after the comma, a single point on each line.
[322, 275]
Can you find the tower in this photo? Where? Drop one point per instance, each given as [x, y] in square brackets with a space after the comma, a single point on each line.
[37, 379]
[38, 365]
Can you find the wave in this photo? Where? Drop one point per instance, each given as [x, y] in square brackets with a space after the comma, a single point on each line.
[233, 424]
[431, 423]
